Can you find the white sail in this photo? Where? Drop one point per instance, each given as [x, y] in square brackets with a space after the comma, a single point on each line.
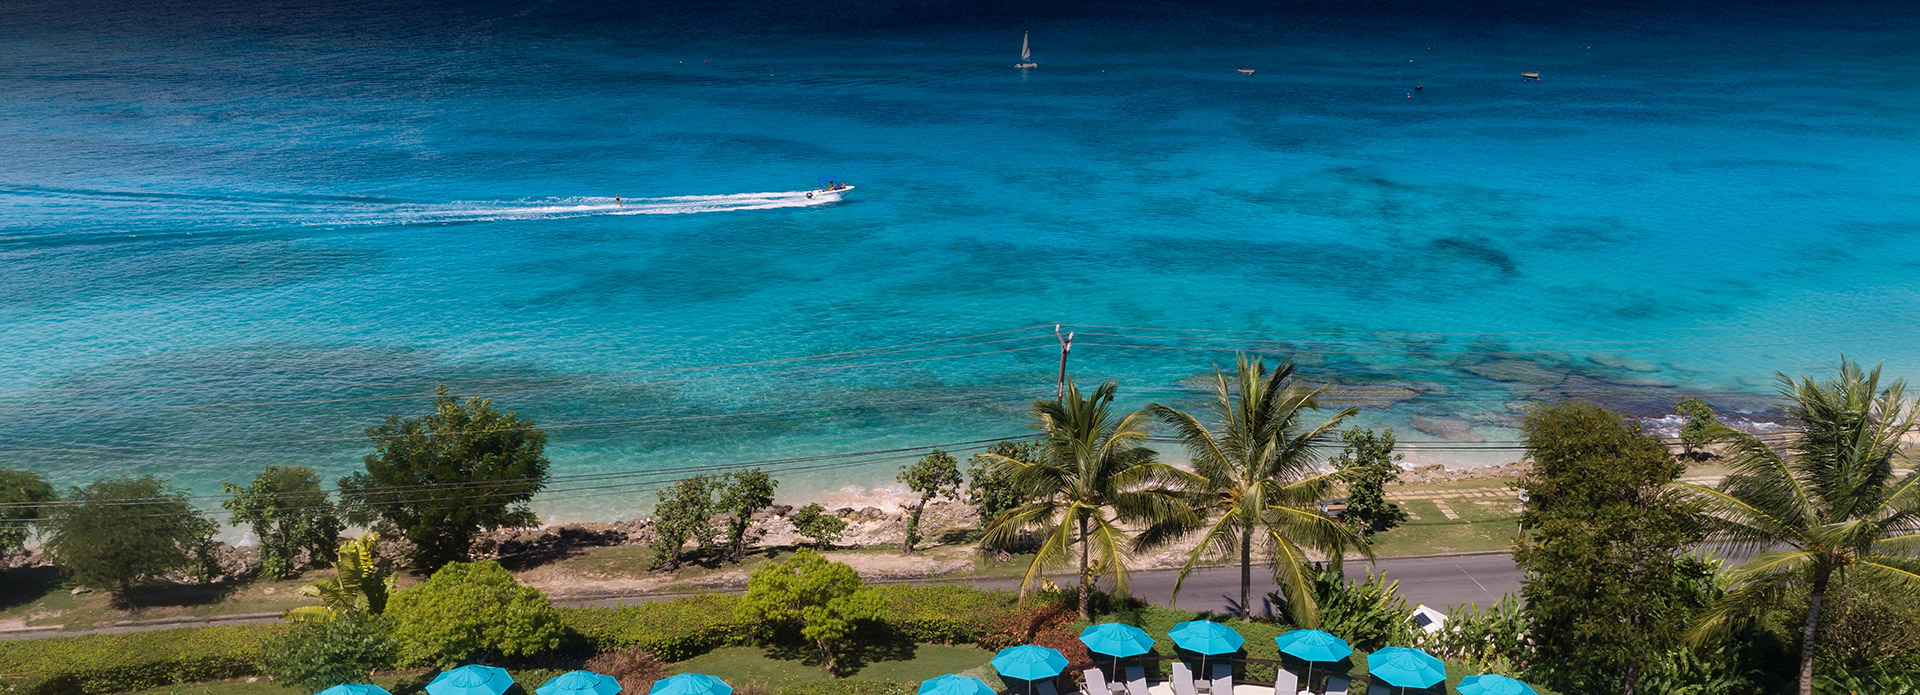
[1025, 54]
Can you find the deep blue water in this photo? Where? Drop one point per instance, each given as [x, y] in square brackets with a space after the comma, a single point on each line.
[234, 234]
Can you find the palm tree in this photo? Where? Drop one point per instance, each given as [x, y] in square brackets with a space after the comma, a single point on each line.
[1829, 496]
[1090, 474]
[1257, 469]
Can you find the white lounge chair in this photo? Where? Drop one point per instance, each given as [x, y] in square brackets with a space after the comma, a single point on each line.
[1136, 680]
[1183, 679]
[1096, 682]
[1222, 678]
[1286, 683]
[1337, 685]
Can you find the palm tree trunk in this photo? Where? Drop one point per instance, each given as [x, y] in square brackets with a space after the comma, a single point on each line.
[1246, 574]
[1807, 634]
[1086, 574]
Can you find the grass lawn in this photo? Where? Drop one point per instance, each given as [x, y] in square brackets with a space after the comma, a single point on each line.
[37, 596]
[912, 664]
[1480, 527]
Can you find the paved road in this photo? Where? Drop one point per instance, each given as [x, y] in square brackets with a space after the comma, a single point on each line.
[1441, 582]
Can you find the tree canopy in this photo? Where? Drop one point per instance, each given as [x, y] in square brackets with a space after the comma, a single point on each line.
[823, 599]
[440, 479]
[934, 475]
[743, 494]
[1603, 551]
[814, 522]
[290, 515]
[685, 513]
[1369, 465]
[469, 611]
[117, 533]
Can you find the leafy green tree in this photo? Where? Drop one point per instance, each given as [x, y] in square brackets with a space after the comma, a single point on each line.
[360, 585]
[743, 494]
[23, 501]
[1825, 505]
[1697, 431]
[314, 656]
[685, 513]
[933, 475]
[1257, 480]
[825, 600]
[1603, 550]
[120, 532]
[440, 479]
[1092, 474]
[990, 491]
[1369, 464]
[814, 522]
[288, 512]
[470, 611]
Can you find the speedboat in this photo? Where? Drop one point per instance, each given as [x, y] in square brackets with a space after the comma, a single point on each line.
[1246, 71]
[831, 188]
[1531, 75]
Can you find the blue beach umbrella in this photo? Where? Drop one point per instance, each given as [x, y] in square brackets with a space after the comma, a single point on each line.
[951, 684]
[1116, 639]
[1312, 646]
[690, 684]
[1028, 662]
[1206, 637]
[579, 683]
[355, 689]
[1406, 668]
[471, 679]
[1491, 684]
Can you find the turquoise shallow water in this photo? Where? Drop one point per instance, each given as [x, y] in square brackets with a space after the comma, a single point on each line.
[233, 235]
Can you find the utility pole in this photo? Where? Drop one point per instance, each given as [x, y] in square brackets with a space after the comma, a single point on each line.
[1066, 346]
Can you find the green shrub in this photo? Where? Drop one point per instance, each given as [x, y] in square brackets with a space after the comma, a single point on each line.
[942, 614]
[318, 655]
[97, 664]
[472, 610]
[671, 630]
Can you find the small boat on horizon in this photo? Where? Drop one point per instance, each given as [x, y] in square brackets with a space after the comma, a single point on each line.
[1246, 71]
[1026, 54]
[1531, 75]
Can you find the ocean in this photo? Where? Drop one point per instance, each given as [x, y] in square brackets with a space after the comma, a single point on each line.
[234, 234]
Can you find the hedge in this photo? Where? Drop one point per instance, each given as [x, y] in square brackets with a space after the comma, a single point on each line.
[98, 664]
[670, 630]
[943, 614]
[686, 628]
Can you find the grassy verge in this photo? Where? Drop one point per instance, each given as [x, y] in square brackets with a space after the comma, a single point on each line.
[37, 596]
[909, 664]
[1482, 525]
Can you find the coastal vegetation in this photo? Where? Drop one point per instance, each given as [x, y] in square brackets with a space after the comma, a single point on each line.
[1618, 596]
[1091, 474]
[1257, 481]
[935, 475]
[421, 479]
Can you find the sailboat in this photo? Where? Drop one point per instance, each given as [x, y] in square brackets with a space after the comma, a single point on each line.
[1026, 54]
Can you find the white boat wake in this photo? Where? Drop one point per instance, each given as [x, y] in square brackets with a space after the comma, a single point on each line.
[558, 208]
[29, 212]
